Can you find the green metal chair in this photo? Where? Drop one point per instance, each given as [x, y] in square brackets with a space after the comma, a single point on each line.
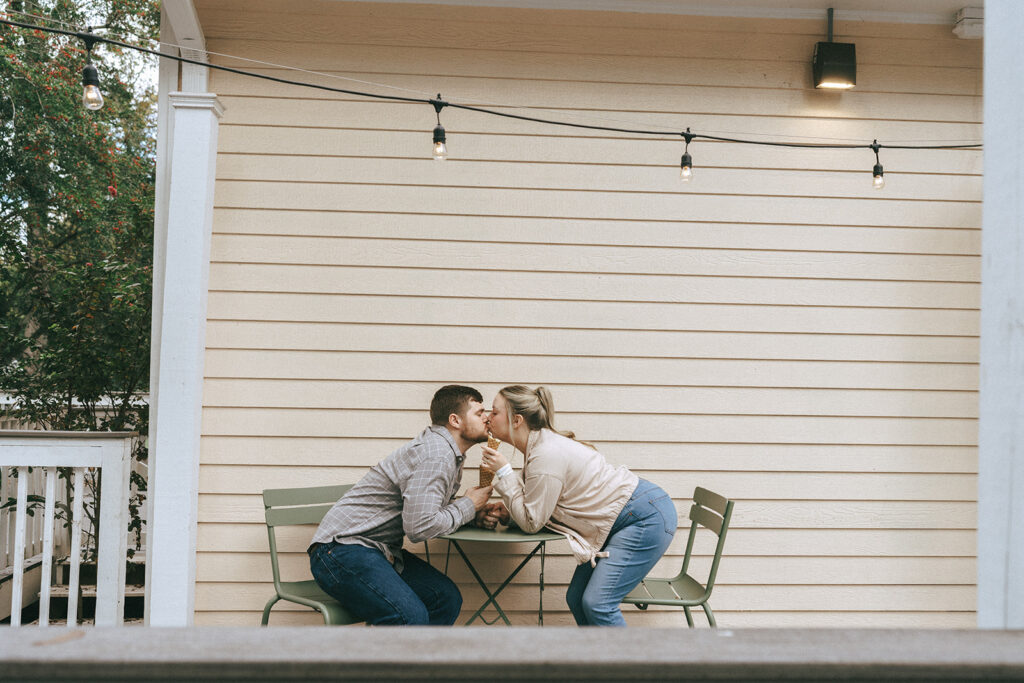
[301, 506]
[710, 511]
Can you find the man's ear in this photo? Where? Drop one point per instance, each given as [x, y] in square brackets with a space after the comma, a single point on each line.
[455, 421]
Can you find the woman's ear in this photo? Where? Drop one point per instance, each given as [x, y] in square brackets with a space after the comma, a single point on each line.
[516, 421]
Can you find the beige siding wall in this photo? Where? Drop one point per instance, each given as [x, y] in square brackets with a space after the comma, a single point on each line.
[776, 331]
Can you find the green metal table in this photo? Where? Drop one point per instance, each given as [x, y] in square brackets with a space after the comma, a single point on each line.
[501, 535]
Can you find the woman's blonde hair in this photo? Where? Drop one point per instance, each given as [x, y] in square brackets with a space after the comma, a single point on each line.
[536, 406]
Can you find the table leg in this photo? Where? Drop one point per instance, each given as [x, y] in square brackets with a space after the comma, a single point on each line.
[493, 597]
[487, 592]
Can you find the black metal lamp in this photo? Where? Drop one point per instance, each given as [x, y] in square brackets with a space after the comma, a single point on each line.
[834, 64]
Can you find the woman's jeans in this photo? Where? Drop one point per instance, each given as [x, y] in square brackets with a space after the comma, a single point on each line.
[366, 584]
[638, 539]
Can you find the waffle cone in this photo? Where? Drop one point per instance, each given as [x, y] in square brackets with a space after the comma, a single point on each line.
[486, 476]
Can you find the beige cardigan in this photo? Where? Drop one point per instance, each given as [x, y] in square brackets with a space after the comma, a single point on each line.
[569, 488]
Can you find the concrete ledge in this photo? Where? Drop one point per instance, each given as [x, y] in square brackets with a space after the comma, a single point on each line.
[310, 654]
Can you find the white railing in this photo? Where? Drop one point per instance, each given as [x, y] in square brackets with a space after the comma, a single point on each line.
[34, 525]
[141, 468]
[77, 451]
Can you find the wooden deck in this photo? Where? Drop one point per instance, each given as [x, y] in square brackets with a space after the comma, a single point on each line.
[467, 654]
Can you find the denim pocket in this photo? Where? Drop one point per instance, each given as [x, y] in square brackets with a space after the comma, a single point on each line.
[667, 511]
[322, 567]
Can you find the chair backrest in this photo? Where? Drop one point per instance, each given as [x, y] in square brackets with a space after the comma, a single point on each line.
[713, 512]
[291, 507]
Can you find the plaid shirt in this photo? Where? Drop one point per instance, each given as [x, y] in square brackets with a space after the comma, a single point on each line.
[411, 492]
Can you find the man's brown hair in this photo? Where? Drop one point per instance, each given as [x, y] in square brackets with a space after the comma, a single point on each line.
[452, 398]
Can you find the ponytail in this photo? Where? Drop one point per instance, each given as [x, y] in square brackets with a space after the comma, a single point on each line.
[547, 408]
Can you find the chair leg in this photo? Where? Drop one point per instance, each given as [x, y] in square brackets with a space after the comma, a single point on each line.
[266, 610]
[711, 616]
[689, 617]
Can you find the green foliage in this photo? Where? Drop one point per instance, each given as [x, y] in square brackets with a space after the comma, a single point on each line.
[76, 219]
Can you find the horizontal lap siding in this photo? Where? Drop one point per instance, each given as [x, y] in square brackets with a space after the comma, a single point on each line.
[775, 331]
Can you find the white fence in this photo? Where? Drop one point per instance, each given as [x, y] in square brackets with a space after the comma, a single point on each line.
[78, 451]
[136, 539]
[34, 531]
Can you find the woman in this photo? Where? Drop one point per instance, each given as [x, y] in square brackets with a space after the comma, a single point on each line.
[617, 525]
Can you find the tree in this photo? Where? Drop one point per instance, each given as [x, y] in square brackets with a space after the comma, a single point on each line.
[76, 220]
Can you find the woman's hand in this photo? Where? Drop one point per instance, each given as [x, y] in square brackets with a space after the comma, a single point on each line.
[491, 515]
[493, 460]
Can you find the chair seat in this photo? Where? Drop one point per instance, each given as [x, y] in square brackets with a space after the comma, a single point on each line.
[309, 594]
[681, 591]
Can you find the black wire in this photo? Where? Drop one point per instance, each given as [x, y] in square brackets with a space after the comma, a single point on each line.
[560, 123]
[977, 146]
[186, 60]
[821, 145]
[841, 146]
[88, 37]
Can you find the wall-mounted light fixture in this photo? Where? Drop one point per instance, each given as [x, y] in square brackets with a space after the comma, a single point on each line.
[834, 64]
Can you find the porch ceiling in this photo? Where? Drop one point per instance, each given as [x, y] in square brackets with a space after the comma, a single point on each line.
[898, 11]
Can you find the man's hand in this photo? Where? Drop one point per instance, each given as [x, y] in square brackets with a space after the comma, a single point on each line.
[484, 520]
[489, 516]
[499, 511]
[479, 495]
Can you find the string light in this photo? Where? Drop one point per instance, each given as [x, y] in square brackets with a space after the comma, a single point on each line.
[321, 74]
[440, 148]
[878, 175]
[686, 163]
[92, 98]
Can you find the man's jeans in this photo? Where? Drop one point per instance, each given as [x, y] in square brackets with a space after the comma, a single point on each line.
[638, 539]
[366, 584]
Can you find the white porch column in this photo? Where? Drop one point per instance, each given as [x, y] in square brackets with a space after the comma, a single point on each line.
[1001, 426]
[168, 82]
[192, 152]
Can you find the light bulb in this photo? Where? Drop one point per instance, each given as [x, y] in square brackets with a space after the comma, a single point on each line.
[92, 98]
[686, 168]
[878, 177]
[440, 149]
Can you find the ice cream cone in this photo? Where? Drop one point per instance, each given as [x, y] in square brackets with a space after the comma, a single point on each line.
[487, 475]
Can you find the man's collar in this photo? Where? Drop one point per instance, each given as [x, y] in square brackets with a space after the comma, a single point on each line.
[443, 431]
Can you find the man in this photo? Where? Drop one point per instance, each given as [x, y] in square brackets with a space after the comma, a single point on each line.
[356, 554]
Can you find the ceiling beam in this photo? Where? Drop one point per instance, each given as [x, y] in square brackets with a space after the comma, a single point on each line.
[188, 32]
